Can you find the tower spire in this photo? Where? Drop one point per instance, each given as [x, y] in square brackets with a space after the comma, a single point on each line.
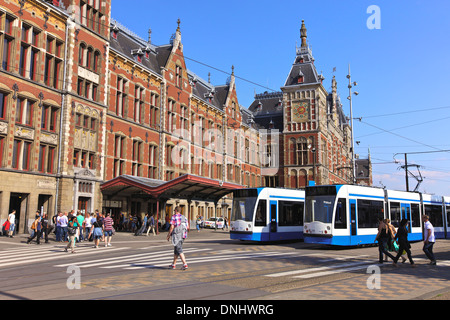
[303, 35]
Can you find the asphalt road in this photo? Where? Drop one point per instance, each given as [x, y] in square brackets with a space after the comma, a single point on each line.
[220, 269]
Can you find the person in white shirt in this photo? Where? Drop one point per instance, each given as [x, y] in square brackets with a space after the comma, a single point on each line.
[428, 240]
[87, 226]
[12, 223]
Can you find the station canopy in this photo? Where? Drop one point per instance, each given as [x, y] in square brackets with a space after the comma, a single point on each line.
[187, 186]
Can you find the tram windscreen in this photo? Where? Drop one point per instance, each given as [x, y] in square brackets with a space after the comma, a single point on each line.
[243, 208]
[319, 208]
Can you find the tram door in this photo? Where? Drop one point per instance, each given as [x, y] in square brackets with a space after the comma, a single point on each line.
[273, 219]
[406, 214]
[353, 223]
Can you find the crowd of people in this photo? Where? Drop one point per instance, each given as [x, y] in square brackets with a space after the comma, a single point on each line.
[396, 241]
[74, 227]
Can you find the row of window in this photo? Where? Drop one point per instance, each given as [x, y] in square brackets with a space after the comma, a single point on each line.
[25, 111]
[369, 211]
[22, 159]
[139, 113]
[34, 51]
[290, 213]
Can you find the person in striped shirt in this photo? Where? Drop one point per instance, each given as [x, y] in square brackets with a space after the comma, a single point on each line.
[108, 229]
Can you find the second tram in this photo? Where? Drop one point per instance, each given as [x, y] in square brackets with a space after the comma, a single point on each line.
[347, 215]
[267, 214]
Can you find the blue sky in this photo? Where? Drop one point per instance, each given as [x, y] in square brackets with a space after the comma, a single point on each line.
[402, 69]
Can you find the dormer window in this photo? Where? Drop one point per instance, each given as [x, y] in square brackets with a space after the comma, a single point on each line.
[259, 106]
[300, 77]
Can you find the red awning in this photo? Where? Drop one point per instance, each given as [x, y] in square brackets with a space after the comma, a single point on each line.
[188, 186]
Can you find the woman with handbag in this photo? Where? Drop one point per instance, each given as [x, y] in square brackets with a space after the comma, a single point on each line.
[72, 229]
[384, 232]
[392, 244]
[404, 245]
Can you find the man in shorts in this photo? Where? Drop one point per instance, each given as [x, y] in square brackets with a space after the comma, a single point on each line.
[179, 227]
[108, 229]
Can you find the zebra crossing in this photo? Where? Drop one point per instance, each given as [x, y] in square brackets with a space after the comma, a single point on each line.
[121, 258]
[32, 254]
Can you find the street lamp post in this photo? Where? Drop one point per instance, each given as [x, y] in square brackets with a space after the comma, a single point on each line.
[350, 86]
[313, 150]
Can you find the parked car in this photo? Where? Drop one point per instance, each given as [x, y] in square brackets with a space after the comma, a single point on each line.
[211, 223]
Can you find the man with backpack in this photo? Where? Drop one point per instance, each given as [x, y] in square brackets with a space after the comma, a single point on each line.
[179, 227]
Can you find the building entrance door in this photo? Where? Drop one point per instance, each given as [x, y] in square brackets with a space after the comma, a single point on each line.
[17, 201]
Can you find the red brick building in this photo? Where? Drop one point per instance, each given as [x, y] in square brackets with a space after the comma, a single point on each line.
[84, 101]
[315, 136]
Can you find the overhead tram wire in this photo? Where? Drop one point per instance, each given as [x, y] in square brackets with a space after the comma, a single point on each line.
[403, 137]
[405, 112]
[408, 126]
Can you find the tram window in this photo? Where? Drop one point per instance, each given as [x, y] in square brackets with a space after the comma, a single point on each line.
[415, 215]
[435, 214]
[448, 216]
[340, 221]
[290, 214]
[261, 214]
[395, 213]
[368, 213]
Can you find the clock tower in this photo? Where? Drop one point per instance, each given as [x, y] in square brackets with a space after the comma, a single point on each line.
[314, 141]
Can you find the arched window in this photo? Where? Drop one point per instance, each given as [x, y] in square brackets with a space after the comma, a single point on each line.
[294, 180]
[89, 57]
[96, 66]
[302, 152]
[81, 55]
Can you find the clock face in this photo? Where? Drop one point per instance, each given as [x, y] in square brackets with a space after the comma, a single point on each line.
[300, 111]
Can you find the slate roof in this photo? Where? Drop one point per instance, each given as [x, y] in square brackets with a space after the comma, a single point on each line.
[128, 45]
[267, 110]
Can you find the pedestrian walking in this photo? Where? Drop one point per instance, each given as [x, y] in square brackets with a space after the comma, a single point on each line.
[96, 230]
[12, 223]
[72, 228]
[46, 227]
[198, 222]
[108, 229]
[151, 225]
[143, 227]
[383, 237]
[428, 239]
[36, 226]
[225, 223]
[392, 244]
[80, 219]
[403, 243]
[63, 222]
[87, 225]
[179, 227]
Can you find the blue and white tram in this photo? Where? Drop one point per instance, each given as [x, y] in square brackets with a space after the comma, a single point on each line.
[347, 215]
[267, 214]
[434, 209]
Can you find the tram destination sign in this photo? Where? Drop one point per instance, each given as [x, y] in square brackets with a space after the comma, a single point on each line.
[320, 191]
